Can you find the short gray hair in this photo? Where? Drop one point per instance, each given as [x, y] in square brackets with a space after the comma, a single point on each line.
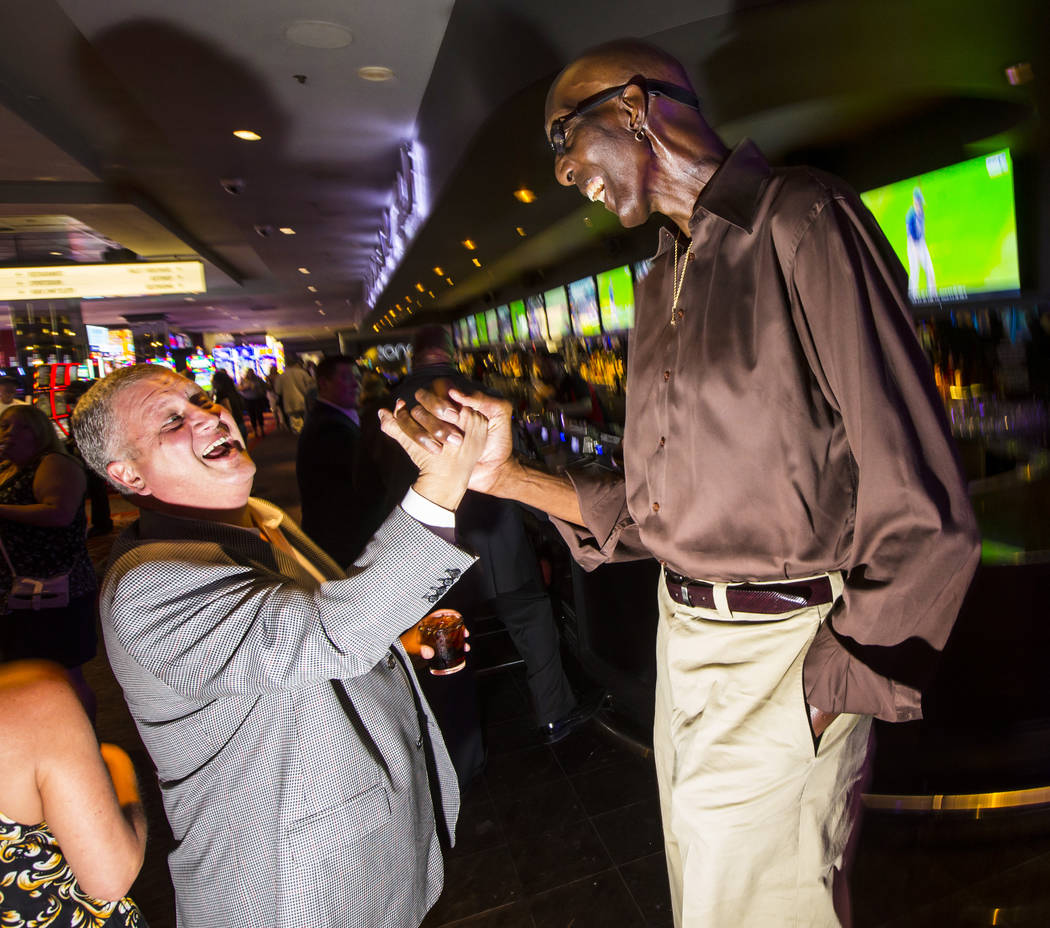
[97, 426]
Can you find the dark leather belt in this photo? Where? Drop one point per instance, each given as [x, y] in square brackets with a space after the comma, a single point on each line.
[767, 599]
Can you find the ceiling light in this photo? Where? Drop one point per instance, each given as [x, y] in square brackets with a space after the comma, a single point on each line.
[524, 195]
[431, 292]
[286, 230]
[468, 243]
[247, 135]
[439, 272]
[318, 303]
[376, 73]
[520, 231]
[448, 280]
[313, 33]
[304, 270]
[312, 288]
[419, 286]
[322, 312]
[57, 253]
[477, 263]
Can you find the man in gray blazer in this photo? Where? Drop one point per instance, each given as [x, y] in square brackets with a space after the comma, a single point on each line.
[302, 776]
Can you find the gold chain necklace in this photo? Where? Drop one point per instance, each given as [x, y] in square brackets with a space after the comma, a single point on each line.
[677, 281]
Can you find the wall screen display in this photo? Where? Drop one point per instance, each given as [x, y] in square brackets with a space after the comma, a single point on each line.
[482, 328]
[583, 306]
[616, 299]
[472, 332]
[537, 317]
[519, 319]
[506, 326]
[954, 229]
[95, 281]
[492, 326]
[557, 303]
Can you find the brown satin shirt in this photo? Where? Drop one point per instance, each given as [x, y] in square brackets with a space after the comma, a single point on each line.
[788, 425]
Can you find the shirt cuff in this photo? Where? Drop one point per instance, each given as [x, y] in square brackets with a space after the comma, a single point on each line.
[423, 510]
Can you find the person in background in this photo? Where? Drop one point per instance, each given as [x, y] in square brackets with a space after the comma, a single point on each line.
[786, 458]
[72, 828]
[509, 575]
[253, 390]
[560, 390]
[43, 528]
[293, 388]
[226, 394]
[97, 488]
[8, 389]
[304, 782]
[340, 488]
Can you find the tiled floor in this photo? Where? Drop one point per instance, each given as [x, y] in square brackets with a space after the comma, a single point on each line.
[569, 836]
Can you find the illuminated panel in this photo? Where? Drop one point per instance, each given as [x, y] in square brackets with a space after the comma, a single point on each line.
[616, 299]
[520, 320]
[583, 305]
[506, 325]
[492, 325]
[537, 317]
[72, 281]
[557, 313]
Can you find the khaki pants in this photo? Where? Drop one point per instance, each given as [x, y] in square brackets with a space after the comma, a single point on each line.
[756, 818]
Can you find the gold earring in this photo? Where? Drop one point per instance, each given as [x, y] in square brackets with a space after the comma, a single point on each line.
[640, 135]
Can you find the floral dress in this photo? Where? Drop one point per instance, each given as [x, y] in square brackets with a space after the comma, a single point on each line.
[38, 889]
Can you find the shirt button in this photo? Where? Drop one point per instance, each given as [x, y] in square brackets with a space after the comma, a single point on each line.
[667, 376]
[419, 742]
[390, 661]
[656, 507]
[663, 441]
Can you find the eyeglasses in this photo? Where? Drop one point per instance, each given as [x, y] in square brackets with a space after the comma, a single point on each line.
[656, 88]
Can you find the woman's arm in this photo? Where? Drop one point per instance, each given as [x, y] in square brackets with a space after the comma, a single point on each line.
[92, 809]
[58, 488]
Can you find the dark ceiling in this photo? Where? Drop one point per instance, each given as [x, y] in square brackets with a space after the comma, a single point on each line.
[117, 120]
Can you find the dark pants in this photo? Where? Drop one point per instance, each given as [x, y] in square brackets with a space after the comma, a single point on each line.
[98, 494]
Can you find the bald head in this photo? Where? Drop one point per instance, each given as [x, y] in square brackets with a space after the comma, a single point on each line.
[614, 63]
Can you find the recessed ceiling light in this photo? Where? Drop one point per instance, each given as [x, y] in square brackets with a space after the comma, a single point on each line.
[439, 272]
[477, 263]
[322, 312]
[318, 303]
[304, 270]
[247, 135]
[448, 280]
[431, 292]
[376, 73]
[468, 243]
[287, 230]
[419, 286]
[314, 33]
[311, 288]
[524, 195]
[520, 231]
[58, 253]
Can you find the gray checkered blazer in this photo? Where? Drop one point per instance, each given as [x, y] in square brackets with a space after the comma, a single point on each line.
[290, 737]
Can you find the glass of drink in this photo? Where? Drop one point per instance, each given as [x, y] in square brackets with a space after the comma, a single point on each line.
[443, 631]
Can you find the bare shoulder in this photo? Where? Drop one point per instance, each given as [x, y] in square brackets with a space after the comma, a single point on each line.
[59, 466]
[37, 697]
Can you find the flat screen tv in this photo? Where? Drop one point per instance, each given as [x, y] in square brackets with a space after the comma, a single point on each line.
[642, 269]
[492, 326]
[464, 333]
[506, 326]
[482, 328]
[472, 332]
[520, 320]
[616, 299]
[954, 229]
[537, 317]
[557, 302]
[583, 307]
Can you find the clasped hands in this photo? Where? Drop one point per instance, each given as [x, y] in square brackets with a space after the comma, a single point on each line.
[459, 441]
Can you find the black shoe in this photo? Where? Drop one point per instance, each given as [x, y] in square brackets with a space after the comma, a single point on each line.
[584, 710]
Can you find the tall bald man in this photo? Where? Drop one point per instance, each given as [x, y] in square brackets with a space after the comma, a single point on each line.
[786, 459]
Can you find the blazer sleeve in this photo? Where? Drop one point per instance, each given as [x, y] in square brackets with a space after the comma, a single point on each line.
[209, 625]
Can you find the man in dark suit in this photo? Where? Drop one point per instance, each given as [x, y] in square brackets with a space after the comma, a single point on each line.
[507, 574]
[339, 487]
